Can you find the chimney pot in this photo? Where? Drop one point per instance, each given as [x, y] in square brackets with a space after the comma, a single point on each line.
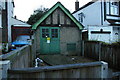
[76, 5]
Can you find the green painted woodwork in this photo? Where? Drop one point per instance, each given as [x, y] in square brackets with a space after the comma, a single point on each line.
[58, 4]
[53, 34]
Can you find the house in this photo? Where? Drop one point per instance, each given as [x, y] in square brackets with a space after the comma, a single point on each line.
[10, 26]
[101, 19]
[7, 14]
[57, 32]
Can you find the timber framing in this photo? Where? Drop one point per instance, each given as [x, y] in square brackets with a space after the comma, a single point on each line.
[51, 10]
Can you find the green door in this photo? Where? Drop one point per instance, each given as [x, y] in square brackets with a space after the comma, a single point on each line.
[49, 40]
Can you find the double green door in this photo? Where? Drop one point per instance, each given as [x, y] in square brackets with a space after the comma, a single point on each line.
[49, 40]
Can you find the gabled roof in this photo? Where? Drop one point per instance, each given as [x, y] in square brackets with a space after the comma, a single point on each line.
[58, 4]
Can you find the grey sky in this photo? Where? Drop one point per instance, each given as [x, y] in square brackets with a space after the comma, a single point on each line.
[24, 8]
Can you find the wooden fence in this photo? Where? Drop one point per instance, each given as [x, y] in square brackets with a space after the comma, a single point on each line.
[101, 51]
[20, 58]
[81, 70]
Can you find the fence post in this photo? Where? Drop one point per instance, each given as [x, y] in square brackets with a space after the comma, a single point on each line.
[4, 66]
[104, 70]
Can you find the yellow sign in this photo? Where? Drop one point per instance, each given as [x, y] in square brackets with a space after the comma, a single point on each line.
[48, 38]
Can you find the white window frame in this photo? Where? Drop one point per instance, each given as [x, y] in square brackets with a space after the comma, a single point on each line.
[81, 17]
[114, 6]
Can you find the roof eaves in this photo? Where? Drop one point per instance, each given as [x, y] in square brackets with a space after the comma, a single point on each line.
[34, 26]
[71, 17]
[20, 20]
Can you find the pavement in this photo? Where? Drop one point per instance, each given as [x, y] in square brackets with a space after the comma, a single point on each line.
[61, 59]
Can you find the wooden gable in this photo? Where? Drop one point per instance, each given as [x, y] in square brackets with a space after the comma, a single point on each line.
[58, 15]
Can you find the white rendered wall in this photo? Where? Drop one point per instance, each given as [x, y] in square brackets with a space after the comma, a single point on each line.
[99, 36]
[2, 3]
[92, 14]
[94, 21]
[114, 36]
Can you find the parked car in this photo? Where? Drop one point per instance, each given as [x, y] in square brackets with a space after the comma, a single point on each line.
[21, 41]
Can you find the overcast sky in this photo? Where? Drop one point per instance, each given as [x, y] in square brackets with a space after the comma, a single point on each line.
[24, 8]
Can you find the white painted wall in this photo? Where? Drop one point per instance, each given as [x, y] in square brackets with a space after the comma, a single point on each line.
[92, 14]
[114, 36]
[94, 21]
[2, 4]
[100, 37]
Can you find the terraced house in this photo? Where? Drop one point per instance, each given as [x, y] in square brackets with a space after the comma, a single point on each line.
[101, 19]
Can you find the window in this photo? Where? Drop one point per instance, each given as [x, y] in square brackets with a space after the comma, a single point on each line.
[112, 8]
[45, 33]
[81, 17]
[54, 33]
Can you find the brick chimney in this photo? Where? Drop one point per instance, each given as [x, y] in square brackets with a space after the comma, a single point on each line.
[76, 5]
